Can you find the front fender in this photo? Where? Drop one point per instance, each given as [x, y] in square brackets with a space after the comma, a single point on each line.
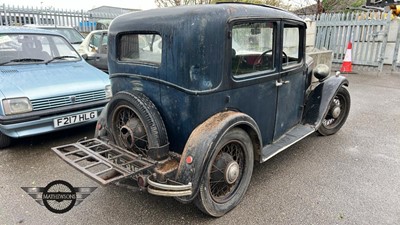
[203, 141]
[320, 98]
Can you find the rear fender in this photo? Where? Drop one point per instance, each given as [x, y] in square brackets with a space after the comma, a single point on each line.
[203, 141]
[101, 130]
[320, 98]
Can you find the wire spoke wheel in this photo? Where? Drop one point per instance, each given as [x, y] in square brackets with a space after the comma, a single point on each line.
[136, 125]
[337, 113]
[226, 171]
[129, 130]
[227, 175]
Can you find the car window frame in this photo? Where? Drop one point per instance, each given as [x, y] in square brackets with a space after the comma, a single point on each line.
[272, 73]
[139, 62]
[302, 44]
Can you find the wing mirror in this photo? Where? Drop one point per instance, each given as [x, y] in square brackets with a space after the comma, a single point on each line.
[85, 56]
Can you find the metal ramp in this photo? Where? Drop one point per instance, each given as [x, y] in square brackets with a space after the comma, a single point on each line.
[103, 162]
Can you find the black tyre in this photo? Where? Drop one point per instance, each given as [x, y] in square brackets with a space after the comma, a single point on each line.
[136, 125]
[227, 175]
[337, 113]
[5, 140]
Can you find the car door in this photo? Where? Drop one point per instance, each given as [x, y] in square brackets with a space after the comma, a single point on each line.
[291, 82]
[98, 51]
[101, 56]
[254, 69]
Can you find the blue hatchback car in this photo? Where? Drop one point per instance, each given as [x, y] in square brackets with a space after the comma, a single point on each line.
[45, 85]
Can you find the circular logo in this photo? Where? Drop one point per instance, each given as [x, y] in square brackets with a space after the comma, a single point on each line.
[59, 196]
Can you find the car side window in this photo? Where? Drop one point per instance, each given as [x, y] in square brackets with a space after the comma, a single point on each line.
[140, 48]
[95, 42]
[291, 45]
[252, 47]
[103, 47]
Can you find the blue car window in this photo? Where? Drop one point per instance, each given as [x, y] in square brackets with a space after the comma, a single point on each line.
[34, 48]
[72, 35]
[95, 40]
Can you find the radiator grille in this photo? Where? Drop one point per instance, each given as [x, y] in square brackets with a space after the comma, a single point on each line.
[60, 101]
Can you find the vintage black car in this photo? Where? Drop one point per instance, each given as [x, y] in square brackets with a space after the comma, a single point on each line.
[219, 87]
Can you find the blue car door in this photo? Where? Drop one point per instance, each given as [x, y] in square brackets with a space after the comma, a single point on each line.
[291, 82]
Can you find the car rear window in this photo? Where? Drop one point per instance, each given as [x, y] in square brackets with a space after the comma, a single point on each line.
[72, 35]
[140, 48]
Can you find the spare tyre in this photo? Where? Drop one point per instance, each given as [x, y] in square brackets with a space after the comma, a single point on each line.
[136, 125]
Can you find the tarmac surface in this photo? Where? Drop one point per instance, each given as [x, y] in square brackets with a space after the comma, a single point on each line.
[352, 177]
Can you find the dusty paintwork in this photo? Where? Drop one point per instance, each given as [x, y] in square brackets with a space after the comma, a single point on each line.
[210, 77]
[204, 139]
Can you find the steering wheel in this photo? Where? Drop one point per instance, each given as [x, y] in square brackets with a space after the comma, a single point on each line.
[258, 61]
[285, 56]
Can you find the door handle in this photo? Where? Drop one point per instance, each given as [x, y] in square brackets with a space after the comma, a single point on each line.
[281, 82]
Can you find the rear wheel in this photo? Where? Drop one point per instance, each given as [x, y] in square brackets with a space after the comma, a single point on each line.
[228, 174]
[137, 126]
[337, 114]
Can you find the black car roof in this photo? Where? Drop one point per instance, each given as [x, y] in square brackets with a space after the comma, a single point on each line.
[171, 16]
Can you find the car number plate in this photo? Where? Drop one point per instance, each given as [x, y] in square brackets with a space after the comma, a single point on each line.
[78, 118]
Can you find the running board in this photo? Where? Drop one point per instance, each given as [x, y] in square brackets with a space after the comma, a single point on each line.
[103, 162]
[291, 137]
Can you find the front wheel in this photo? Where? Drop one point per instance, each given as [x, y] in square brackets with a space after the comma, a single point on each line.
[227, 175]
[337, 114]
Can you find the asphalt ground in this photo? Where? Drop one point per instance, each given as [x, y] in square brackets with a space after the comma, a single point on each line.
[352, 177]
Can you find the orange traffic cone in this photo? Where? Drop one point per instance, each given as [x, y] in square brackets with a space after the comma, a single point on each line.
[346, 66]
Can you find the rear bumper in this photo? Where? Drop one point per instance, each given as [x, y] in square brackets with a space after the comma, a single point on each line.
[169, 190]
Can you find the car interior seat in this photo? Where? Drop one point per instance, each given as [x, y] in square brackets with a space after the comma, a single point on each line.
[34, 49]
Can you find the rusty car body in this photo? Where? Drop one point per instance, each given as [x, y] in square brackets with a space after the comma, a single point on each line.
[228, 84]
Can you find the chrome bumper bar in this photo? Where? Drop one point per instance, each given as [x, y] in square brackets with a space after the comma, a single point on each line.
[171, 189]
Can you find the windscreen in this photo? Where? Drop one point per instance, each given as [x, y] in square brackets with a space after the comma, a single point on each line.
[34, 48]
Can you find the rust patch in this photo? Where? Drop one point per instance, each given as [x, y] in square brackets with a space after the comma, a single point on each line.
[208, 126]
[168, 166]
[197, 141]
